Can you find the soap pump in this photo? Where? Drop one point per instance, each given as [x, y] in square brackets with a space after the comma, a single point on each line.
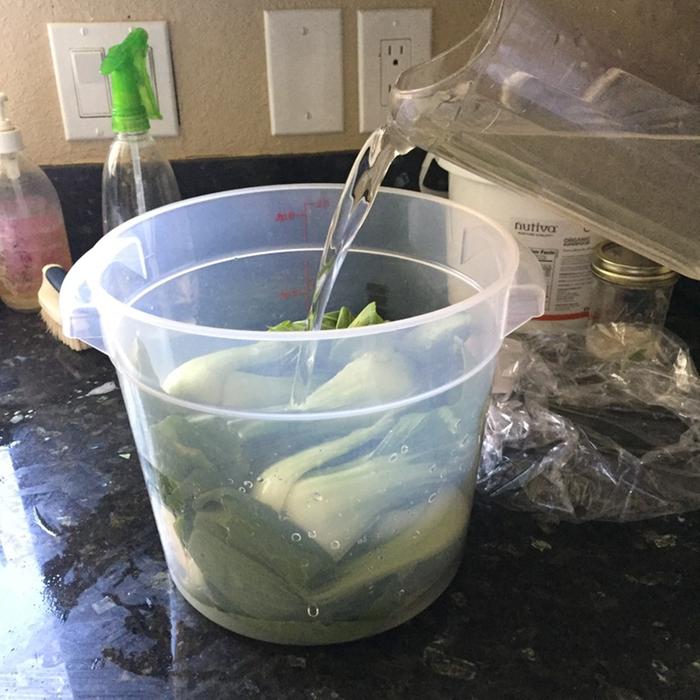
[32, 232]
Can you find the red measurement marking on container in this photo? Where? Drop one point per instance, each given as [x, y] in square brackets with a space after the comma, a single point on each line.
[289, 293]
[290, 215]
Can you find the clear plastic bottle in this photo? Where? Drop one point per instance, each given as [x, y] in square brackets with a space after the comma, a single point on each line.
[32, 232]
[135, 177]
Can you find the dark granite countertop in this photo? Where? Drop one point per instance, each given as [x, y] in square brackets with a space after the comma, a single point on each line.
[87, 609]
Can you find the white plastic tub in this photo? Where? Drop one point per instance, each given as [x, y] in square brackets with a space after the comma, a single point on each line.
[564, 247]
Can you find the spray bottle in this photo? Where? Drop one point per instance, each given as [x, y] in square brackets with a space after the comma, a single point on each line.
[135, 177]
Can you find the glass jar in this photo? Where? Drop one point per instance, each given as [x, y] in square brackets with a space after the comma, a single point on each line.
[629, 302]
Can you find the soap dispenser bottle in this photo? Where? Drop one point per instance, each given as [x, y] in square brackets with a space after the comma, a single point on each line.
[32, 233]
[135, 177]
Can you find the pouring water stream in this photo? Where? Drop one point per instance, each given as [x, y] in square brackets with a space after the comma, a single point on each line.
[361, 186]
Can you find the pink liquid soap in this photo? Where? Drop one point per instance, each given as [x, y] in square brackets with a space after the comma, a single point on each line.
[27, 243]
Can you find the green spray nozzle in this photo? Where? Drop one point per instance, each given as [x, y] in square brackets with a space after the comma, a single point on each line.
[133, 99]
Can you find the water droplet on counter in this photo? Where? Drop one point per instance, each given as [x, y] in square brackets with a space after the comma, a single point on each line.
[311, 534]
[393, 457]
[335, 544]
[312, 610]
[296, 537]
[432, 497]
[404, 449]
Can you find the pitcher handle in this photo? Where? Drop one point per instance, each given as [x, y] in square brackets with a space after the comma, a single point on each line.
[526, 297]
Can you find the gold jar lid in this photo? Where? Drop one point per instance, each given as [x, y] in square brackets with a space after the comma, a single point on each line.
[613, 263]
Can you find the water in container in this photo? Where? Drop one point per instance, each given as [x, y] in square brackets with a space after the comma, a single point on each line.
[527, 102]
[343, 514]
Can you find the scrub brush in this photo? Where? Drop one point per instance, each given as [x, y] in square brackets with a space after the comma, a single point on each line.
[52, 279]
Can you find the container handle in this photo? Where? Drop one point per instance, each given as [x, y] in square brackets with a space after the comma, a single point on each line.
[429, 159]
[79, 316]
[526, 297]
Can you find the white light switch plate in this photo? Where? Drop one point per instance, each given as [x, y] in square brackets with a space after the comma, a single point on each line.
[304, 70]
[388, 42]
[77, 49]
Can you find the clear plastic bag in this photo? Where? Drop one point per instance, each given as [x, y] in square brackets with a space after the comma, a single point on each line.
[583, 438]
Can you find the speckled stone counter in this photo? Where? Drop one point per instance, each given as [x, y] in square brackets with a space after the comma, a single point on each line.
[87, 609]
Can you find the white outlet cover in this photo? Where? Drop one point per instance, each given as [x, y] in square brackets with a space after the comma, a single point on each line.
[304, 50]
[373, 27]
[76, 49]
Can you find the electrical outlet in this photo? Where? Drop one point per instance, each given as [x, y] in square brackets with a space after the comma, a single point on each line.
[388, 42]
[395, 58]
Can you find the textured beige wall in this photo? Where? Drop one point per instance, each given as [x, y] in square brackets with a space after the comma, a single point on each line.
[219, 61]
[218, 50]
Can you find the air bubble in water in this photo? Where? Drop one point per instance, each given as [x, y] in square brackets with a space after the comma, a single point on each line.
[433, 468]
[312, 610]
[458, 424]
[335, 544]
[442, 475]
[393, 457]
[248, 484]
[296, 537]
[260, 480]
[317, 496]
[402, 593]
[242, 489]
[432, 497]
[311, 534]
[404, 449]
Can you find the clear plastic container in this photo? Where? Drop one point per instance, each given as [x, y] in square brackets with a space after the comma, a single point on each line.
[530, 103]
[344, 515]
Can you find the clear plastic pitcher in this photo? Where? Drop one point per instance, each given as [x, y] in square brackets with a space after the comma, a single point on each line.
[531, 104]
[344, 515]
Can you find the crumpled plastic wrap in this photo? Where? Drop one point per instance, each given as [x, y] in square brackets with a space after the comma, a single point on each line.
[582, 438]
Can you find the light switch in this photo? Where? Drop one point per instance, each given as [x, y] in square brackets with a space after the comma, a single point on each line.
[304, 70]
[91, 87]
[78, 48]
